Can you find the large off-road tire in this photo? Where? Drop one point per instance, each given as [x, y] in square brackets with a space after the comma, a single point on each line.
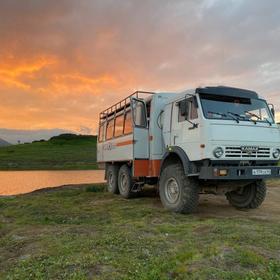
[178, 192]
[250, 197]
[125, 182]
[112, 178]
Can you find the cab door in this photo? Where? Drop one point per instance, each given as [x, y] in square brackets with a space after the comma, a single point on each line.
[140, 130]
[166, 125]
[185, 128]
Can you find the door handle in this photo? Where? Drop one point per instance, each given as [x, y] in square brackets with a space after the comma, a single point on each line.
[174, 139]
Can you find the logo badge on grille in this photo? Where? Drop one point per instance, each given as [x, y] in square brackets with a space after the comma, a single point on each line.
[249, 149]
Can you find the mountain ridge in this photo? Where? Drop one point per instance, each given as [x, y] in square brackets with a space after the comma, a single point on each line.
[4, 143]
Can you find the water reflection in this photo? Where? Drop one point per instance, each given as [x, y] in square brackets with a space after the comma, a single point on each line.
[16, 182]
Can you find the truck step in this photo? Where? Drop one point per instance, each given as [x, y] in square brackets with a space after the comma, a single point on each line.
[137, 187]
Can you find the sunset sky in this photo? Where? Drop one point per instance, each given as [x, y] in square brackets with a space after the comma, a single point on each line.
[61, 62]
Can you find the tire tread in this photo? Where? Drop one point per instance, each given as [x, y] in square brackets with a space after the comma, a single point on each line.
[115, 170]
[128, 194]
[257, 197]
[190, 190]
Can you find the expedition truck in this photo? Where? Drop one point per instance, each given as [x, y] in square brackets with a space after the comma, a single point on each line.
[219, 140]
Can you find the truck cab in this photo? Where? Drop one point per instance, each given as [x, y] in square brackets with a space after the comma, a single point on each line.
[218, 140]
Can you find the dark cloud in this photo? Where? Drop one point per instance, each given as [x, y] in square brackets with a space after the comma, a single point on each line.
[63, 61]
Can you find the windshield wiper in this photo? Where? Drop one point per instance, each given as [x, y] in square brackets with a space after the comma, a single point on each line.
[224, 115]
[237, 117]
[242, 117]
[258, 117]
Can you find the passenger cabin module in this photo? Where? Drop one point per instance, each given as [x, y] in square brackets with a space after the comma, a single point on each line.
[218, 140]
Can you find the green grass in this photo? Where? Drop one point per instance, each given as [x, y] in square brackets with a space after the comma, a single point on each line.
[86, 233]
[57, 154]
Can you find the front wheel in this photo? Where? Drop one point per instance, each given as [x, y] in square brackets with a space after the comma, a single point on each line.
[250, 197]
[178, 193]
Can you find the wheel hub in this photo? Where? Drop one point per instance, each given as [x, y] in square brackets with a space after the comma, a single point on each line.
[172, 191]
[124, 182]
[110, 180]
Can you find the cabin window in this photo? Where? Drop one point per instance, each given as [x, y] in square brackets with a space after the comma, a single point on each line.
[193, 110]
[187, 110]
[183, 110]
[127, 123]
[139, 113]
[119, 125]
[110, 129]
[101, 133]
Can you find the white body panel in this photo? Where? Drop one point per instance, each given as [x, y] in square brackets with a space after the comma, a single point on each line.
[217, 133]
[230, 134]
[165, 130]
[141, 147]
[157, 147]
[116, 149]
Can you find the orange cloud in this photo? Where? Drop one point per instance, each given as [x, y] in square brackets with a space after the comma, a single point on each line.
[13, 72]
[24, 68]
[79, 83]
[43, 92]
[60, 80]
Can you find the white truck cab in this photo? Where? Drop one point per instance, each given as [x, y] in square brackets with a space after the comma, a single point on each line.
[219, 140]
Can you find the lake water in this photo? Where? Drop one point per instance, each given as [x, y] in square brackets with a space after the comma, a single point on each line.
[17, 182]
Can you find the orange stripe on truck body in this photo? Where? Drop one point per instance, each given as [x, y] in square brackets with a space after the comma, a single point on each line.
[125, 143]
[146, 168]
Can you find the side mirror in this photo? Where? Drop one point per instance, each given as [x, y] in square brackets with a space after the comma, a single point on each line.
[272, 109]
[184, 108]
[273, 112]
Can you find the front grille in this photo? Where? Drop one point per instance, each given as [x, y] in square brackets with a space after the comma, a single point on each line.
[237, 152]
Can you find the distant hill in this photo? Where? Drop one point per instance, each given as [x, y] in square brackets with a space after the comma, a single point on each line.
[63, 152]
[15, 136]
[4, 143]
[71, 136]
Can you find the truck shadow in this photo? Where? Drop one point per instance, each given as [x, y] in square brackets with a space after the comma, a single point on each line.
[218, 206]
[211, 206]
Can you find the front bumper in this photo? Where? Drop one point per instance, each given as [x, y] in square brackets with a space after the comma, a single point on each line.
[239, 173]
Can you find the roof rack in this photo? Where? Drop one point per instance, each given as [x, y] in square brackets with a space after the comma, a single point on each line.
[121, 104]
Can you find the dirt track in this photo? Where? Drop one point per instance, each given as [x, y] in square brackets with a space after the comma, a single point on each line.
[217, 206]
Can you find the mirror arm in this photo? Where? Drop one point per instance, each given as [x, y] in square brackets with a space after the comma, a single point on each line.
[194, 125]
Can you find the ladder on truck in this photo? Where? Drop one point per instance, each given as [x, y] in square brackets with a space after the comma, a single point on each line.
[121, 105]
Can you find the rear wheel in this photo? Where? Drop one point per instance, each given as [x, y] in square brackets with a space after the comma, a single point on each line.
[178, 193]
[125, 182]
[251, 196]
[112, 179]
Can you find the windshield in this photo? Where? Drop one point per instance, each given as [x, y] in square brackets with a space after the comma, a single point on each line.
[235, 108]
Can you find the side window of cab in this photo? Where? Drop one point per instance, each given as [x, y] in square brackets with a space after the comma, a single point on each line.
[187, 109]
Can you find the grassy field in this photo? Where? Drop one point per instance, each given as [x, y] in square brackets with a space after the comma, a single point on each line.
[60, 153]
[86, 233]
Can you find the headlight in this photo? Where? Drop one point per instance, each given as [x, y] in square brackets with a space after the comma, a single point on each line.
[276, 153]
[218, 152]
